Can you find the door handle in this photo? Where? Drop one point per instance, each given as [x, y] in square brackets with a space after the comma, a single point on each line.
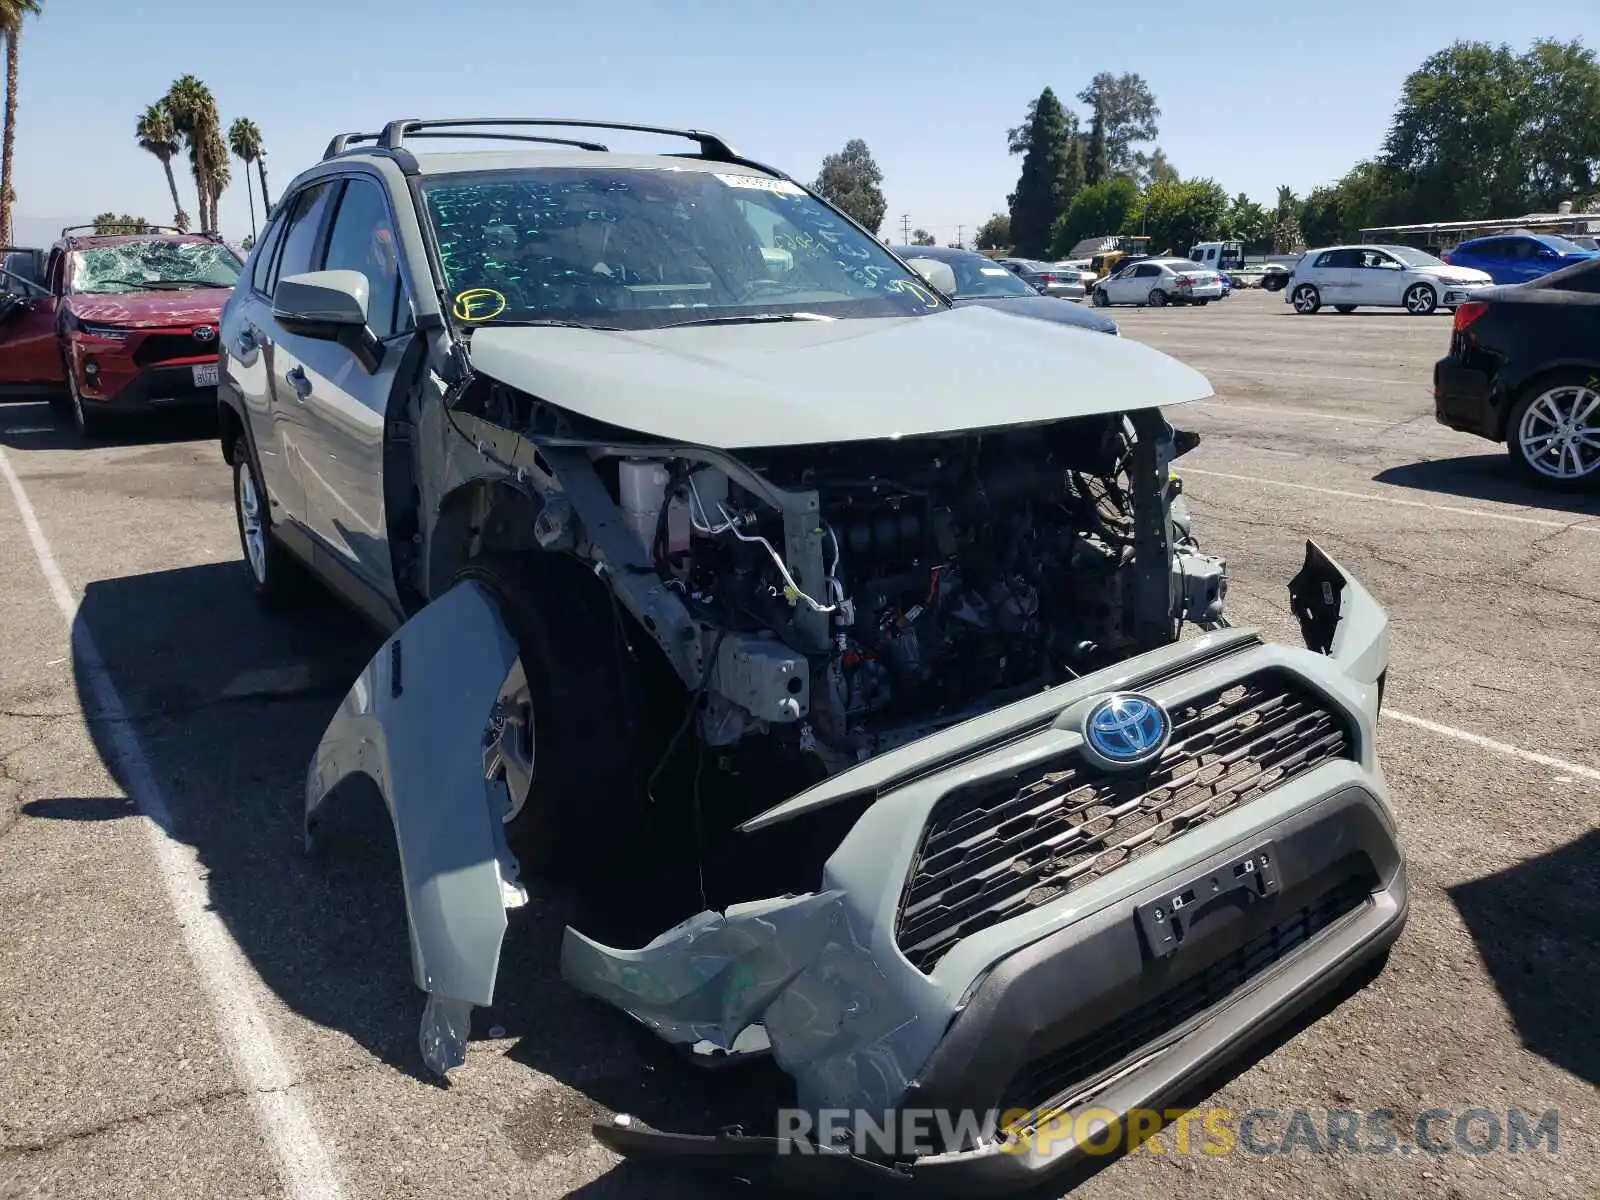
[298, 381]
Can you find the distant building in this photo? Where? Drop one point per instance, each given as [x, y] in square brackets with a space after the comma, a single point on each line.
[1444, 235]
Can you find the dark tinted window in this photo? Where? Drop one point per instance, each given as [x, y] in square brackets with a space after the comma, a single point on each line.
[1585, 279]
[1146, 270]
[1488, 248]
[302, 240]
[261, 268]
[363, 239]
[1326, 259]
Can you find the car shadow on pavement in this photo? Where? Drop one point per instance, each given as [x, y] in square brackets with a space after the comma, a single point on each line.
[1485, 477]
[34, 425]
[1531, 923]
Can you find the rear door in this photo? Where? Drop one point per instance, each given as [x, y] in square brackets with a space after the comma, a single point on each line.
[344, 404]
[29, 351]
[245, 367]
[1331, 274]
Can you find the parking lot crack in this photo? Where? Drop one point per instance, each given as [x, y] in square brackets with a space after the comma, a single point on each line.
[113, 1124]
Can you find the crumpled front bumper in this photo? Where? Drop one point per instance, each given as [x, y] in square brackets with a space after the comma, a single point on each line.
[1068, 1009]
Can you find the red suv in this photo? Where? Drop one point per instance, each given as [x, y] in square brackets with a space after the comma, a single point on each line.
[115, 324]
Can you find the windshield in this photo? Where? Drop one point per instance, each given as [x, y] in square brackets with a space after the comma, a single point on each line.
[1561, 244]
[979, 276]
[636, 248]
[1413, 257]
[154, 265]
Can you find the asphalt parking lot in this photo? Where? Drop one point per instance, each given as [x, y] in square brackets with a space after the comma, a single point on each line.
[203, 1010]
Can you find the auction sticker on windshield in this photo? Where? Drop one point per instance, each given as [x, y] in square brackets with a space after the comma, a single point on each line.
[205, 375]
[762, 183]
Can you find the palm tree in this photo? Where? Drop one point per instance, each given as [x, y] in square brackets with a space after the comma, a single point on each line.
[220, 173]
[261, 168]
[11, 14]
[157, 135]
[194, 115]
[244, 139]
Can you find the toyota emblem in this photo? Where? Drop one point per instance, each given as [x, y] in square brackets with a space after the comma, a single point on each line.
[205, 333]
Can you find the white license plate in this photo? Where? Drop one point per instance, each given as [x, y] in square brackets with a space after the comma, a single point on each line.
[205, 376]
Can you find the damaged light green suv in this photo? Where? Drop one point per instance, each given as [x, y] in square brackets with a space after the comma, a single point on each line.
[845, 656]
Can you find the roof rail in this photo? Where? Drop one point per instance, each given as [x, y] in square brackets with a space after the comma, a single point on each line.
[343, 142]
[395, 132]
[131, 228]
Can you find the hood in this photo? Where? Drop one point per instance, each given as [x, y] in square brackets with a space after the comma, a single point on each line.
[202, 306]
[1450, 274]
[796, 383]
[1044, 308]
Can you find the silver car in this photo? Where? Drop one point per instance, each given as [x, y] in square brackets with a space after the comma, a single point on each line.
[807, 627]
[1351, 277]
[1065, 283]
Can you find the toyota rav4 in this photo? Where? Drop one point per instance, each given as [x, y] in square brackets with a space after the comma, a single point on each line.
[845, 653]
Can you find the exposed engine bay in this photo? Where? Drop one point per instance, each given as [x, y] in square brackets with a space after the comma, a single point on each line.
[850, 598]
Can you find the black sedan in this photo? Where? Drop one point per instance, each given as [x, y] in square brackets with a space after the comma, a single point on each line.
[1524, 369]
[974, 279]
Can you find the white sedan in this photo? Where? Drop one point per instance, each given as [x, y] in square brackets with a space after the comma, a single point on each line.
[1158, 282]
[1349, 277]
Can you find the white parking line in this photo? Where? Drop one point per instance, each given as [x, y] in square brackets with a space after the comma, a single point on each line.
[1267, 376]
[1542, 522]
[1477, 739]
[263, 1069]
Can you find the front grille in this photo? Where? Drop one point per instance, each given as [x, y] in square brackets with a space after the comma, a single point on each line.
[1053, 1077]
[161, 347]
[997, 848]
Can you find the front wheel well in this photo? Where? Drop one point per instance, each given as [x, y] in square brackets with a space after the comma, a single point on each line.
[230, 430]
[481, 517]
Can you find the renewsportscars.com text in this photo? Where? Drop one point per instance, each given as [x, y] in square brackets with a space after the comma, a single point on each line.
[1208, 1131]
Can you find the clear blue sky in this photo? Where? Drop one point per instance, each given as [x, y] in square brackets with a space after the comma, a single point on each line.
[1252, 94]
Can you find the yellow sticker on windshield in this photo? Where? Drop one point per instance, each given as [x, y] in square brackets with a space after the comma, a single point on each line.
[478, 304]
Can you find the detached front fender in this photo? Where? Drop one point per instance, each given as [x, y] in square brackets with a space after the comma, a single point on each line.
[414, 724]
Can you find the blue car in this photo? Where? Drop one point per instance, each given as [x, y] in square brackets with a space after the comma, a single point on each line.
[1519, 256]
[976, 279]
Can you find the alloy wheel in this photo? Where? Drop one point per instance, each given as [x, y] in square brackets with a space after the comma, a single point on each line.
[1420, 300]
[508, 739]
[1559, 434]
[251, 529]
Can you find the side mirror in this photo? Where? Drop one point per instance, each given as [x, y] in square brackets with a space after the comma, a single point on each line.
[10, 304]
[329, 306]
[1183, 441]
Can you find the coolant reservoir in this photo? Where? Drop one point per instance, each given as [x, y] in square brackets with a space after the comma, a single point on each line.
[642, 488]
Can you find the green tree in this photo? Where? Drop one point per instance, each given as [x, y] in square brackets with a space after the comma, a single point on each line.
[12, 13]
[244, 139]
[1127, 112]
[852, 180]
[194, 115]
[1100, 209]
[995, 233]
[1045, 140]
[1096, 168]
[157, 136]
[921, 237]
[114, 223]
[1156, 169]
[1286, 235]
[1177, 215]
[1482, 132]
[1250, 224]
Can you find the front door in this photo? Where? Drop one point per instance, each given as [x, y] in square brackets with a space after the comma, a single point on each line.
[29, 351]
[344, 405]
[1377, 278]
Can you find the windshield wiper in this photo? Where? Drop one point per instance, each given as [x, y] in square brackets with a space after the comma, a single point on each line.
[185, 283]
[751, 319]
[552, 323]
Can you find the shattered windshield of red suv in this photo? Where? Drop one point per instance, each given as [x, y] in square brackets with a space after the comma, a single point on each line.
[142, 266]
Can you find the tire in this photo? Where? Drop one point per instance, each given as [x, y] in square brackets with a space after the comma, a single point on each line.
[586, 694]
[1537, 415]
[1344, 308]
[1201, 303]
[89, 422]
[1421, 300]
[1101, 300]
[276, 576]
[1307, 300]
[1157, 298]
